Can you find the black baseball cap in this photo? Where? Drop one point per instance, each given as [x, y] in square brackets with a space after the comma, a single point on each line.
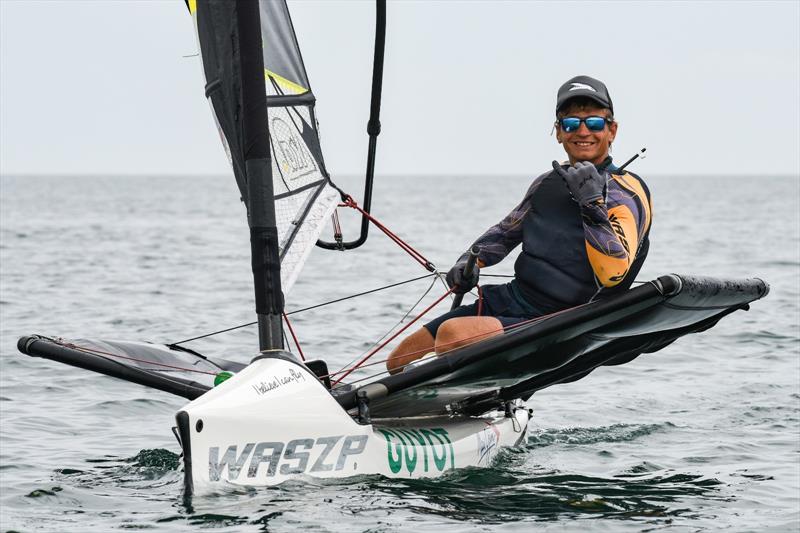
[587, 87]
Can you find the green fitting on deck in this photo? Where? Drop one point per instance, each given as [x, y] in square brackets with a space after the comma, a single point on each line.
[222, 376]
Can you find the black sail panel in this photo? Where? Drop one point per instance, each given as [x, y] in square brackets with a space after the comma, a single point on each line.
[216, 30]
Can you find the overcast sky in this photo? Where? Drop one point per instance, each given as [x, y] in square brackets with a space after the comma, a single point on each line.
[708, 87]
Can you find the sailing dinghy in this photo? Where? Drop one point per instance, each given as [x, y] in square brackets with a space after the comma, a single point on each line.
[279, 417]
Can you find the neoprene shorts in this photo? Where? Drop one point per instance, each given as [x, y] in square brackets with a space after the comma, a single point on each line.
[504, 302]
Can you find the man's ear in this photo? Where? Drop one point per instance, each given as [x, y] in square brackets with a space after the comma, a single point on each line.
[612, 129]
[558, 134]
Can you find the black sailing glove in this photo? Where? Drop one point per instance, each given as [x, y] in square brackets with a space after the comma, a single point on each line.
[585, 183]
[456, 278]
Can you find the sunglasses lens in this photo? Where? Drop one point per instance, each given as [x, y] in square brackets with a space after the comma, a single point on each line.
[595, 123]
[570, 124]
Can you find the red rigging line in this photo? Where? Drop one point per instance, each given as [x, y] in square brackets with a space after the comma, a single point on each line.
[390, 339]
[291, 330]
[418, 257]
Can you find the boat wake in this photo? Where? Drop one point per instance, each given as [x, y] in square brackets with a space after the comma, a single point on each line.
[595, 435]
[510, 492]
[149, 468]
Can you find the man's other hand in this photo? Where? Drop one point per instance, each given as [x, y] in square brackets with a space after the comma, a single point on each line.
[585, 183]
[459, 281]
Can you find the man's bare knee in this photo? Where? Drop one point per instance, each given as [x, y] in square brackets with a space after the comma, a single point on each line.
[448, 335]
[462, 331]
[410, 349]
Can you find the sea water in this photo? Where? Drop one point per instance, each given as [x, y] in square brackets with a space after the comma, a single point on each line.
[701, 436]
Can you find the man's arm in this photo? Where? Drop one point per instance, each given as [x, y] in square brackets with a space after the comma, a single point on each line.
[613, 229]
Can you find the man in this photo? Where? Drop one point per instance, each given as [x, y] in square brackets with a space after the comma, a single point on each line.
[583, 228]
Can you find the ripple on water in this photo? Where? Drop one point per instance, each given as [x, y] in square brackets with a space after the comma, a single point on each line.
[38, 493]
[127, 407]
[493, 497]
[590, 435]
[143, 469]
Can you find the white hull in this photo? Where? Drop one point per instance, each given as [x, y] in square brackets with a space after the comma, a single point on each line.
[274, 421]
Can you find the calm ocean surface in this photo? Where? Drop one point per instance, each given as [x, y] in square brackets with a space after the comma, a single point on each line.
[702, 436]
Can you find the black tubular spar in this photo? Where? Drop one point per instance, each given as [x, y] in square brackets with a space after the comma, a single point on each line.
[473, 256]
[373, 129]
[632, 159]
[37, 346]
[261, 207]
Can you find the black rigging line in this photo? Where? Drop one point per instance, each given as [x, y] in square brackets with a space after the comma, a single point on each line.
[361, 293]
[306, 308]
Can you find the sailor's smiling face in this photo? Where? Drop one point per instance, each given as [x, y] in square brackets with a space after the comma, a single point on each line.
[584, 144]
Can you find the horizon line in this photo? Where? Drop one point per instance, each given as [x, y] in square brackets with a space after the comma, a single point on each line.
[357, 175]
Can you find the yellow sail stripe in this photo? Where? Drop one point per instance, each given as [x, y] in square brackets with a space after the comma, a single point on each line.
[192, 6]
[287, 84]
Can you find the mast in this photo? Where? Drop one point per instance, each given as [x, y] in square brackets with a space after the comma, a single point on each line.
[258, 169]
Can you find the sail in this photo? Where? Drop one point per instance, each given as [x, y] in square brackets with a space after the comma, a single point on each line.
[303, 195]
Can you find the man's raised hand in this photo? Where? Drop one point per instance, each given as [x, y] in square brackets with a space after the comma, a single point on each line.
[585, 183]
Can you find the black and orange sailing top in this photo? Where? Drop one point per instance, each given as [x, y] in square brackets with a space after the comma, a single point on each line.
[573, 254]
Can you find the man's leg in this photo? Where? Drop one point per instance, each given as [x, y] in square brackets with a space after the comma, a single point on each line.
[462, 331]
[410, 349]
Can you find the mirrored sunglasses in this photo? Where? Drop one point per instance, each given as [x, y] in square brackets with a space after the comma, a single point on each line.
[570, 124]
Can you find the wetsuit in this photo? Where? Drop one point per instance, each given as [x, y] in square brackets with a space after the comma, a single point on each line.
[570, 255]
